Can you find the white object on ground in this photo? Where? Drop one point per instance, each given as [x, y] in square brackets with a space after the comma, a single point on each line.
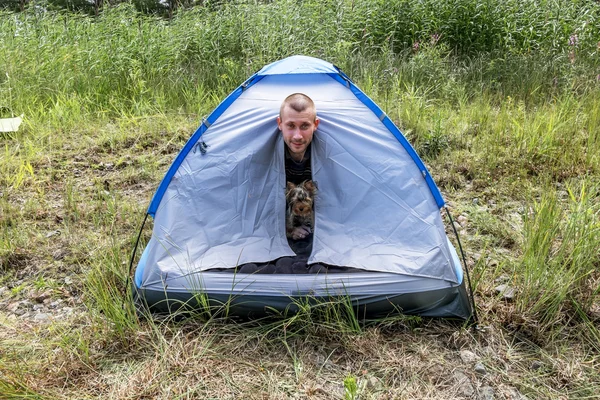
[10, 124]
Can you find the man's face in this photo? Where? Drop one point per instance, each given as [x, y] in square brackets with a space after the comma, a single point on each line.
[297, 129]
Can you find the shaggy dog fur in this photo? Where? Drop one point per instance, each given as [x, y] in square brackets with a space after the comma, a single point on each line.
[300, 215]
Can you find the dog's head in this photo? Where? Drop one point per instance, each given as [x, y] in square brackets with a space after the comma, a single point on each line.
[300, 198]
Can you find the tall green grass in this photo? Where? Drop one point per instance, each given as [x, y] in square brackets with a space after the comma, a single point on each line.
[67, 67]
[561, 254]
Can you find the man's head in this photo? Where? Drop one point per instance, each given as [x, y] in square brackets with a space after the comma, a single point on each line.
[297, 122]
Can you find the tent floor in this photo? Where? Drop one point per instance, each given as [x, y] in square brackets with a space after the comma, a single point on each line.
[290, 265]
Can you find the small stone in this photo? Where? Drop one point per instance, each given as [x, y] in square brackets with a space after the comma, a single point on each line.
[41, 317]
[52, 233]
[480, 369]
[19, 312]
[372, 383]
[507, 292]
[12, 307]
[55, 304]
[463, 380]
[59, 254]
[42, 297]
[68, 280]
[462, 220]
[514, 394]
[502, 279]
[37, 307]
[536, 365]
[487, 393]
[468, 357]
[476, 200]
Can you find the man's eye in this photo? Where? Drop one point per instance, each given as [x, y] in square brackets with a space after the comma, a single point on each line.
[304, 126]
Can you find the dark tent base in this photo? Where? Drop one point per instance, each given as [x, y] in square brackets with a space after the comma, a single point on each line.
[450, 302]
[297, 264]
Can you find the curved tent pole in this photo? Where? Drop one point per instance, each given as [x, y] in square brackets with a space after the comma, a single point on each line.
[462, 253]
[137, 241]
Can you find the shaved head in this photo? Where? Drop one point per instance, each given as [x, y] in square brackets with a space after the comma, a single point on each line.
[299, 102]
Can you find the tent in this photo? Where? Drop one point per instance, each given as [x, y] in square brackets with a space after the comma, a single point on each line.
[379, 238]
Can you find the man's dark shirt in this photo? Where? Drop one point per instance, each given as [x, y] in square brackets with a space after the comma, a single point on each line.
[297, 172]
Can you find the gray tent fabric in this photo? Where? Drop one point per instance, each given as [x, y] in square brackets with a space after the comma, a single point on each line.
[224, 206]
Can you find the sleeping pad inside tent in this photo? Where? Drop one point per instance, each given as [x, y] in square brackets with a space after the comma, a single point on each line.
[219, 212]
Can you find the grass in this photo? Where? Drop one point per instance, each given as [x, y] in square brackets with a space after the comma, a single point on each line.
[506, 118]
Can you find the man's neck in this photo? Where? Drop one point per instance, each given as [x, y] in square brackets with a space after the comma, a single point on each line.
[297, 157]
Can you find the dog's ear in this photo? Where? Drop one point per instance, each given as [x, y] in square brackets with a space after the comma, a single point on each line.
[289, 187]
[310, 187]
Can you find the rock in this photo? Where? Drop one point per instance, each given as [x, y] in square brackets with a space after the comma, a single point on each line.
[20, 312]
[42, 297]
[12, 307]
[462, 220]
[37, 307]
[52, 233]
[67, 310]
[480, 369]
[536, 365]
[486, 393]
[507, 292]
[461, 379]
[476, 200]
[68, 280]
[372, 383]
[19, 307]
[59, 254]
[55, 304]
[41, 317]
[513, 394]
[502, 279]
[468, 357]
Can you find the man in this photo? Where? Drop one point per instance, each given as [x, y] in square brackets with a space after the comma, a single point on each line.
[297, 122]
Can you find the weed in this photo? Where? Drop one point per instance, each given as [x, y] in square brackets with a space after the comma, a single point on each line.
[350, 388]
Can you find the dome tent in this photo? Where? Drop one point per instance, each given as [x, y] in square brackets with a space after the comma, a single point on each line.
[221, 205]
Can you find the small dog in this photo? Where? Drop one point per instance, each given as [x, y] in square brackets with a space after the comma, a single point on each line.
[300, 216]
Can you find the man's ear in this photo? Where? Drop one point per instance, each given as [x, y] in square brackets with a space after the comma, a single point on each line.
[279, 122]
[317, 120]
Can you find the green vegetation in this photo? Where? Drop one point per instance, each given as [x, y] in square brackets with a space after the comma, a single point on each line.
[501, 98]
